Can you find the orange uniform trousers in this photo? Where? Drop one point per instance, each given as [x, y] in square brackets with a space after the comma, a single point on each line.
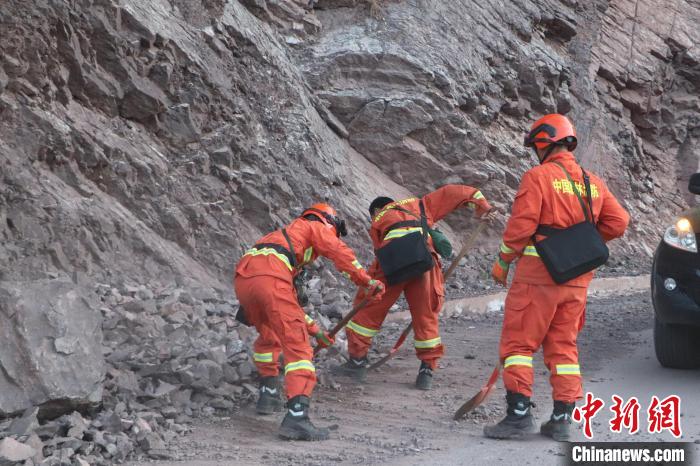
[271, 305]
[425, 296]
[550, 316]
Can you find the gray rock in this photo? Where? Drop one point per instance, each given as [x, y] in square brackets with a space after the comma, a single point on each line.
[13, 452]
[246, 369]
[208, 371]
[110, 422]
[77, 425]
[152, 441]
[178, 125]
[143, 100]
[34, 374]
[26, 424]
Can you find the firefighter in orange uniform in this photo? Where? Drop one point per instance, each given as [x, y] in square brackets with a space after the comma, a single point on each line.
[424, 294]
[265, 289]
[539, 312]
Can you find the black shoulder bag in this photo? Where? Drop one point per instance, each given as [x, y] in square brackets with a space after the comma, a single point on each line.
[570, 252]
[406, 257]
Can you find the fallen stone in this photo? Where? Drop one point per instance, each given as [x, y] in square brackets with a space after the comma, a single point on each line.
[59, 377]
[77, 425]
[35, 442]
[152, 441]
[12, 451]
[26, 424]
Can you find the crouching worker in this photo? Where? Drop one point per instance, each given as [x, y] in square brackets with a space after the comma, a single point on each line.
[265, 289]
[407, 260]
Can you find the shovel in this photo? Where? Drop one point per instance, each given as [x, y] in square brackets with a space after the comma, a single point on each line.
[463, 252]
[481, 396]
[345, 320]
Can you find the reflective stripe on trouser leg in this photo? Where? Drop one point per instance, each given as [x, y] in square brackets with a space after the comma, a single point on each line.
[518, 374]
[427, 344]
[303, 365]
[425, 296]
[266, 352]
[567, 369]
[360, 330]
[517, 360]
[368, 320]
[566, 384]
[262, 357]
[299, 378]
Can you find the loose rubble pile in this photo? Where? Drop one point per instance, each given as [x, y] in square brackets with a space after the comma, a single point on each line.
[172, 355]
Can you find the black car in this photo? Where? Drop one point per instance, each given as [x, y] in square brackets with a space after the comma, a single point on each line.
[675, 289]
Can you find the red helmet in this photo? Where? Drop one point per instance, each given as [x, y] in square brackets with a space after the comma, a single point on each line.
[328, 216]
[551, 129]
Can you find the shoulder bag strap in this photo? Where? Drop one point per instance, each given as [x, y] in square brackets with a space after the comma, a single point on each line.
[423, 219]
[587, 183]
[291, 248]
[575, 189]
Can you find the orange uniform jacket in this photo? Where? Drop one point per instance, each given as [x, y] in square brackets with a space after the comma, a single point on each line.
[438, 204]
[309, 239]
[424, 294]
[546, 197]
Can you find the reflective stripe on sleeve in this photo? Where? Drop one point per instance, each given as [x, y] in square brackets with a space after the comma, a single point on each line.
[307, 254]
[568, 369]
[308, 319]
[518, 360]
[478, 195]
[357, 264]
[360, 330]
[267, 252]
[530, 251]
[427, 344]
[262, 357]
[303, 365]
[399, 232]
[505, 249]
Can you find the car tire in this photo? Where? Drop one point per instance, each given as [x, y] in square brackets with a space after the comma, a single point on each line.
[677, 346]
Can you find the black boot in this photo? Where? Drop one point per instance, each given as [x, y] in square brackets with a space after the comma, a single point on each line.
[424, 381]
[559, 422]
[296, 425]
[354, 368]
[270, 398]
[518, 420]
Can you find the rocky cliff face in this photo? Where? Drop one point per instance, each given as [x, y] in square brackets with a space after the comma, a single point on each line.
[151, 142]
[156, 140]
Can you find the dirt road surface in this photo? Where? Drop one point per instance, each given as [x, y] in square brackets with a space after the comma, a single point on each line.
[387, 421]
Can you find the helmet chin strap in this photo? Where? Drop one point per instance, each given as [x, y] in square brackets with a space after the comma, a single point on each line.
[548, 151]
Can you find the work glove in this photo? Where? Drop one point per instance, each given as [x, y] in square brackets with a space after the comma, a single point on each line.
[324, 339]
[488, 216]
[499, 272]
[374, 290]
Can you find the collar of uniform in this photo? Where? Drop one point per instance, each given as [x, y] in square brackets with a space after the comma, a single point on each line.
[560, 157]
[390, 206]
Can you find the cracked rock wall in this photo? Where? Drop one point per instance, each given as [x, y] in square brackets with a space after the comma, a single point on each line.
[151, 142]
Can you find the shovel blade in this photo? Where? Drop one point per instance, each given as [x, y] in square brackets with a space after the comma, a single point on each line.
[384, 359]
[395, 348]
[480, 397]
